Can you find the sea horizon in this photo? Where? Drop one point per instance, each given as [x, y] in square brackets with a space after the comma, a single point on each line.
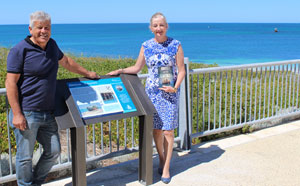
[211, 43]
[16, 24]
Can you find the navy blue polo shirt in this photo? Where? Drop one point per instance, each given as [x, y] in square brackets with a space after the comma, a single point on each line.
[38, 71]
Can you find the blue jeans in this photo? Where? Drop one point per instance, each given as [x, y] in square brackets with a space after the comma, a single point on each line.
[41, 127]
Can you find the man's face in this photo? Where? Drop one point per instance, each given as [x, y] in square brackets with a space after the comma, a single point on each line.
[40, 33]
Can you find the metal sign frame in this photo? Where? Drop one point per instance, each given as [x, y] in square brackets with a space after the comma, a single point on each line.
[68, 116]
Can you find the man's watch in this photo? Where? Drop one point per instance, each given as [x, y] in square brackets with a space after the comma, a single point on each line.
[175, 89]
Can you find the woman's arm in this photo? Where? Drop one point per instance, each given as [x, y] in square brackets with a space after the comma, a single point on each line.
[180, 65]
[132, 69]
[181, 72]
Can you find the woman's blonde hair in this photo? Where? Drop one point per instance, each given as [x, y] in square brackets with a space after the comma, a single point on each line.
[158, 14]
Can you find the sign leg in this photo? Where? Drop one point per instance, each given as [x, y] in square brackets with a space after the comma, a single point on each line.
[78, 157]
[145, 150]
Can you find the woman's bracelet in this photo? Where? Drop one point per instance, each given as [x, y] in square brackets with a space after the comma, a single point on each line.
[175, 89]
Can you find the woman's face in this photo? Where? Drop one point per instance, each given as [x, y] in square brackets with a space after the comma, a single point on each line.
[159, 27]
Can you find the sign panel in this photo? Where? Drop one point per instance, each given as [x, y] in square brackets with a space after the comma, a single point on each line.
[101, 97]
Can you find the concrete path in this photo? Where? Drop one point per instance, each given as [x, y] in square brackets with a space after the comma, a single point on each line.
[269, 157]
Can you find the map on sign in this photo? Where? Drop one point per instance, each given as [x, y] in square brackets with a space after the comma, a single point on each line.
[101, 97]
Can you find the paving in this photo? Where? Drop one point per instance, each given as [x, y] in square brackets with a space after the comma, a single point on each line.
[268, 157]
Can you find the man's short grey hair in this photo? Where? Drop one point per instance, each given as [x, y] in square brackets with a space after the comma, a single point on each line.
[39, 16]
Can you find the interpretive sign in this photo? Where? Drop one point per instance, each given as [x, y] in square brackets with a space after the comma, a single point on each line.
[96, 98]
[81, 101]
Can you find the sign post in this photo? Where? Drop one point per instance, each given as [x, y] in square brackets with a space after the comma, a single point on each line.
[80, 102]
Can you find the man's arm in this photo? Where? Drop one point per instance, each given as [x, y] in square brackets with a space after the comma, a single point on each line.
[72, 66]
[19, 120]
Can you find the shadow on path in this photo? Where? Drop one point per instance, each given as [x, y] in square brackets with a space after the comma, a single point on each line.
[125, 173]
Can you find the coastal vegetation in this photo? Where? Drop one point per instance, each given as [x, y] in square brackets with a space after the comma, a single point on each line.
[262, 93]
[233, 97]
[101, 66]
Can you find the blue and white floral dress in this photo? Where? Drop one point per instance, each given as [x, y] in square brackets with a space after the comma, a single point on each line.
[166, 104]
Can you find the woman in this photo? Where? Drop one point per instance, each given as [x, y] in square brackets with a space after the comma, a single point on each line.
[161, 51]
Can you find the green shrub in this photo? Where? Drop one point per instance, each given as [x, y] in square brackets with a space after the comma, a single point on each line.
[4, 134]
[96, 64]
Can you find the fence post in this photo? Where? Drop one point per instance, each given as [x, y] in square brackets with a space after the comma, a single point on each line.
[0, 165]
[184, 110]
[8, 135]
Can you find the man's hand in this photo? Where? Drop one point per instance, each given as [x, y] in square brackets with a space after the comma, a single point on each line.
[19, 121]
[93, 75]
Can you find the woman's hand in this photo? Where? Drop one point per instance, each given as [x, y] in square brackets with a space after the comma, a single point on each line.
[115, 72]
[168, 89]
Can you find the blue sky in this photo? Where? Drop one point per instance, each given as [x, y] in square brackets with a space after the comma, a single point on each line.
[140, 11]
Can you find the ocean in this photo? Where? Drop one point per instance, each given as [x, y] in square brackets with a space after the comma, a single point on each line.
[221, 43]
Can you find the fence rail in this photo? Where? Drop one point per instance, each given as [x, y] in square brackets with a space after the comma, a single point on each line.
[227, 98]
[213, 100]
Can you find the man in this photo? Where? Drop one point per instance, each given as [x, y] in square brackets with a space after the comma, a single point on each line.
[31, 82]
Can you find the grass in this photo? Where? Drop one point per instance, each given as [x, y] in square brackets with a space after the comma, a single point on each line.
[101, 66]
[128, 137]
